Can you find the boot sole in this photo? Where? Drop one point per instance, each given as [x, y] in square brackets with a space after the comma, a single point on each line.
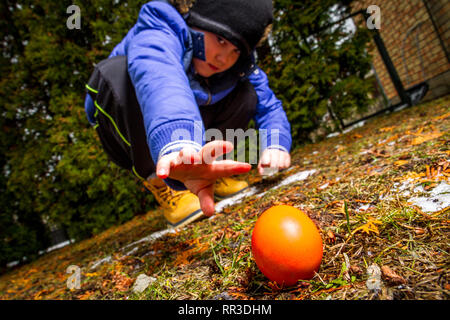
[219, 198]
[190, 218]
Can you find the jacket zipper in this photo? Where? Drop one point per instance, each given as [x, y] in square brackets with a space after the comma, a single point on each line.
[208, 91]
[209, 97]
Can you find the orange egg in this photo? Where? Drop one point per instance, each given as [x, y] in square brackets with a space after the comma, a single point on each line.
[286, 245]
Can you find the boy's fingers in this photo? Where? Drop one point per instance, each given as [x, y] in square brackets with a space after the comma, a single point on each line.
[260, 169]
[264, 162]
[163, 168]
[274, 159]
[265, 159]
[287, 162]
[281, 159]
[229, 167]
[189, 156]
[214, 149]
[166, 163]
[206, 197]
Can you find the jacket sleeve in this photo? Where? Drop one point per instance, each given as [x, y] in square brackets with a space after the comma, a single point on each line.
[270, 117]
[155, 65]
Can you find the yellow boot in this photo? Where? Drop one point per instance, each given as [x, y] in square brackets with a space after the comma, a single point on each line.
[180, 207]
[227, 187]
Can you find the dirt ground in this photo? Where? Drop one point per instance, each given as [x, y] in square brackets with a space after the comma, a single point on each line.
[379, 195]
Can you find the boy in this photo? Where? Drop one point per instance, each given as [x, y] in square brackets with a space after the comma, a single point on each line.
[185, 67]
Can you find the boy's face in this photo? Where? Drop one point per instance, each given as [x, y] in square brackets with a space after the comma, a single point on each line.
[220, 53]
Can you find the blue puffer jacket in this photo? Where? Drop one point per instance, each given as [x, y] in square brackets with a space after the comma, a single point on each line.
[159, 48]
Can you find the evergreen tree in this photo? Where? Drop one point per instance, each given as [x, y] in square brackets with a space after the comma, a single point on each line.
[53, 168]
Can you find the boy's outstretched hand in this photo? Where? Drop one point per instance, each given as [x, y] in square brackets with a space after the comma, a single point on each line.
[274, 159]
[200, 170]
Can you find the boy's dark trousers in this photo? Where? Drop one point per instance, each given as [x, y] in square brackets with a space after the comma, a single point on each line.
[121, 126]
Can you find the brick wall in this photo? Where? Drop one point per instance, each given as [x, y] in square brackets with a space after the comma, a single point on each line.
[440, 10]
[403, 22]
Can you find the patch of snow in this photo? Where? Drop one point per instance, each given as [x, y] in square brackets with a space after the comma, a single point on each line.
[334, 134]
[356, 125]
[41, 252]
[324, 186]
[152, 237]
[150, 253]
[57, 246]
[232, 200]
[364, 207]
[289, 169]
[296, 177]
[129, 253]
[135, 246]
[404, 185]
[12, 264]
[384, 197]
[267, 172]
[439, 199]
[430, 201]
[101, 261]
[403, 106]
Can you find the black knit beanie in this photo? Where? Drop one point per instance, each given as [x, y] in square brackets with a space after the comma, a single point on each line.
[242, 22]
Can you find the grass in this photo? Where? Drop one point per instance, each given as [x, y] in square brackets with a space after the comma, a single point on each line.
[353, 197]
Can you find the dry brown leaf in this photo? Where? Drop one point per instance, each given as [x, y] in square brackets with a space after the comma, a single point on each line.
[442, 117]
[391, 276]
[90, 275]
[401, 162]
[86, 295]
[387, 129]
[121, 282]
[369, 227]
[355, 269]
[184, 257]
[340, 149]
[390, 139]
[426, 137]
[331, 237]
